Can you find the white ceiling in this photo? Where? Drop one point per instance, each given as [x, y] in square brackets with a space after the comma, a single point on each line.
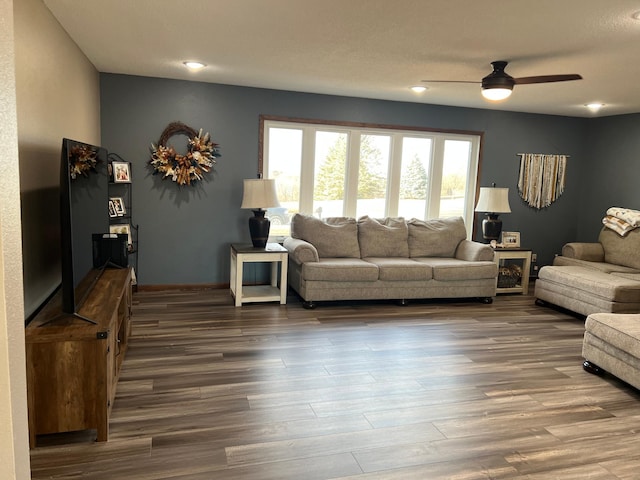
[375, 48]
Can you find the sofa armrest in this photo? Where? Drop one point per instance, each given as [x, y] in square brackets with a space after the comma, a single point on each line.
[300, 251]
[592, 252]
[474, 251]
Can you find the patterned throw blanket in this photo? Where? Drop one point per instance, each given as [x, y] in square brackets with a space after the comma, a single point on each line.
[621, 220]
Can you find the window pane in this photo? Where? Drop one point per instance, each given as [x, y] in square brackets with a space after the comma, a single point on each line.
[372, 175]
[284, 163]
[414, 181]
[454, 177]
[329, 175]
[334, 170]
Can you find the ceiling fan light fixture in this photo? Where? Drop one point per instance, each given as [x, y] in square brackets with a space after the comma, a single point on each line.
[498, 85]
[496, 93]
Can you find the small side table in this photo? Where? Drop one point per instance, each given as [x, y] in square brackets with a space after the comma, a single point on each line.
[247, 253]
[519, 258]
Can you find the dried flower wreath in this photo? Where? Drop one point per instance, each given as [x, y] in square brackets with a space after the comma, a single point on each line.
[184, 169]
[82, 160]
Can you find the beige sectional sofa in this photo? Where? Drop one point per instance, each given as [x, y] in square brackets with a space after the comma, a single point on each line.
[588, 278]
[343, 259]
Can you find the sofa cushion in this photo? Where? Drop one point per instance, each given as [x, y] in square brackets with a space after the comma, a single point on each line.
[635, 276]
[621, 250]
[385, 237]
[562, 261]
[333, 237]
[340, 270]
[435, 238]
[401, 269]
[448, 269]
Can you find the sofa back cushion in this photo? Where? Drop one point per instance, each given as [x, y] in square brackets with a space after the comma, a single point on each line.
[619, 250]
[333, 237]
[435, 238]
[383, 237]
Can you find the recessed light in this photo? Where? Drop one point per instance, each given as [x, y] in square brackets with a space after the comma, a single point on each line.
[636, 16]
[418, 88]
[595, 106]
[194, 65]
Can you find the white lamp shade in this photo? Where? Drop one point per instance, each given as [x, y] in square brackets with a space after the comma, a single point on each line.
[259, 193]
[493, 200]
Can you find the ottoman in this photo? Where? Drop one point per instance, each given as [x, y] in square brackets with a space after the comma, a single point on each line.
[612, 343]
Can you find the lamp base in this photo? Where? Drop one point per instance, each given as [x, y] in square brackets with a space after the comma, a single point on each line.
[491, 227]
[259, 226]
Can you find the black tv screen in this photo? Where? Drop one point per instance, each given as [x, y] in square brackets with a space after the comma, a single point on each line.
[84, 201]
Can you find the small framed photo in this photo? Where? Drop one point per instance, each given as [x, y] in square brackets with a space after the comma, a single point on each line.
[112, 209]
[122, 228]
[118, 205]
[511, 239]
[121, 172]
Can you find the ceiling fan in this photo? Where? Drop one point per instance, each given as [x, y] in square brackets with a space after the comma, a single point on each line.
[498, 85]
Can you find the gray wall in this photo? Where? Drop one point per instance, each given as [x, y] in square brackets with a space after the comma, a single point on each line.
[185, 232]
[611, 173]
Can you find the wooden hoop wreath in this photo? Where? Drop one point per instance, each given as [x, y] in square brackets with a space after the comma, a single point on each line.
[184, 169]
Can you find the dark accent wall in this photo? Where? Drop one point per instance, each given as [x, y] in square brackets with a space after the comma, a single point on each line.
[611, 174]
[185, 231]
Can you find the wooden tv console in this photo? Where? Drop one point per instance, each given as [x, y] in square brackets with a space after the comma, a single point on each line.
[72, 364]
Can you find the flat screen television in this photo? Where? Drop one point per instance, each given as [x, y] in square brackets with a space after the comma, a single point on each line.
[84, 203]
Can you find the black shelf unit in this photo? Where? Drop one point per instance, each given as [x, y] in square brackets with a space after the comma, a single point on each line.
[122, 192]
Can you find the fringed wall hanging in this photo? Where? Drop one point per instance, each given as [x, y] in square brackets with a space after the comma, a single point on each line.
[542, 178]
[184, 169]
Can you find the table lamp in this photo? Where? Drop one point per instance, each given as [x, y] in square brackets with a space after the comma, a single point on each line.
[493, 201]
[258, 195]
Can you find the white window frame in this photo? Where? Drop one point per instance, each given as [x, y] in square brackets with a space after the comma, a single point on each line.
[354, 131]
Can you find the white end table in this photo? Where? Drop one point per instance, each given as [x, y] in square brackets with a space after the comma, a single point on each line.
[273, 253]
[520, 257]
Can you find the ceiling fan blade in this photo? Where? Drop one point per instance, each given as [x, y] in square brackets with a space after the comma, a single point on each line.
[547, 79]
[448, 81]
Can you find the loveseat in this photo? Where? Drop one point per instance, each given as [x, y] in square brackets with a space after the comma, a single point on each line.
[342, 258]
[602, 276]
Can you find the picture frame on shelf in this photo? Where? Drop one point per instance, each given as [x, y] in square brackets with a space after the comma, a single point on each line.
[118, 204]
[511, 239]
[121, 172]
[112, 209]
[122, 228]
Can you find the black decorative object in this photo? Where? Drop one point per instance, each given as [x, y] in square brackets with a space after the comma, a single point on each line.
[259, 227]
[491, 227]
[493, 201]
[259, 194]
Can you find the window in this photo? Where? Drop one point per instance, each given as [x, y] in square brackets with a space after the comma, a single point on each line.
[342, 170]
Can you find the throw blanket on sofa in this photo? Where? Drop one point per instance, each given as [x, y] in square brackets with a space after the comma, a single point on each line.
[621, 220]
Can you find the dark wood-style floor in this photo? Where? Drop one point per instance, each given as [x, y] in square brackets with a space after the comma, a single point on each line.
[356, 390]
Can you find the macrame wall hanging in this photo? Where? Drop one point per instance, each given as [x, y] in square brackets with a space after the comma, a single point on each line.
[542, 177]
